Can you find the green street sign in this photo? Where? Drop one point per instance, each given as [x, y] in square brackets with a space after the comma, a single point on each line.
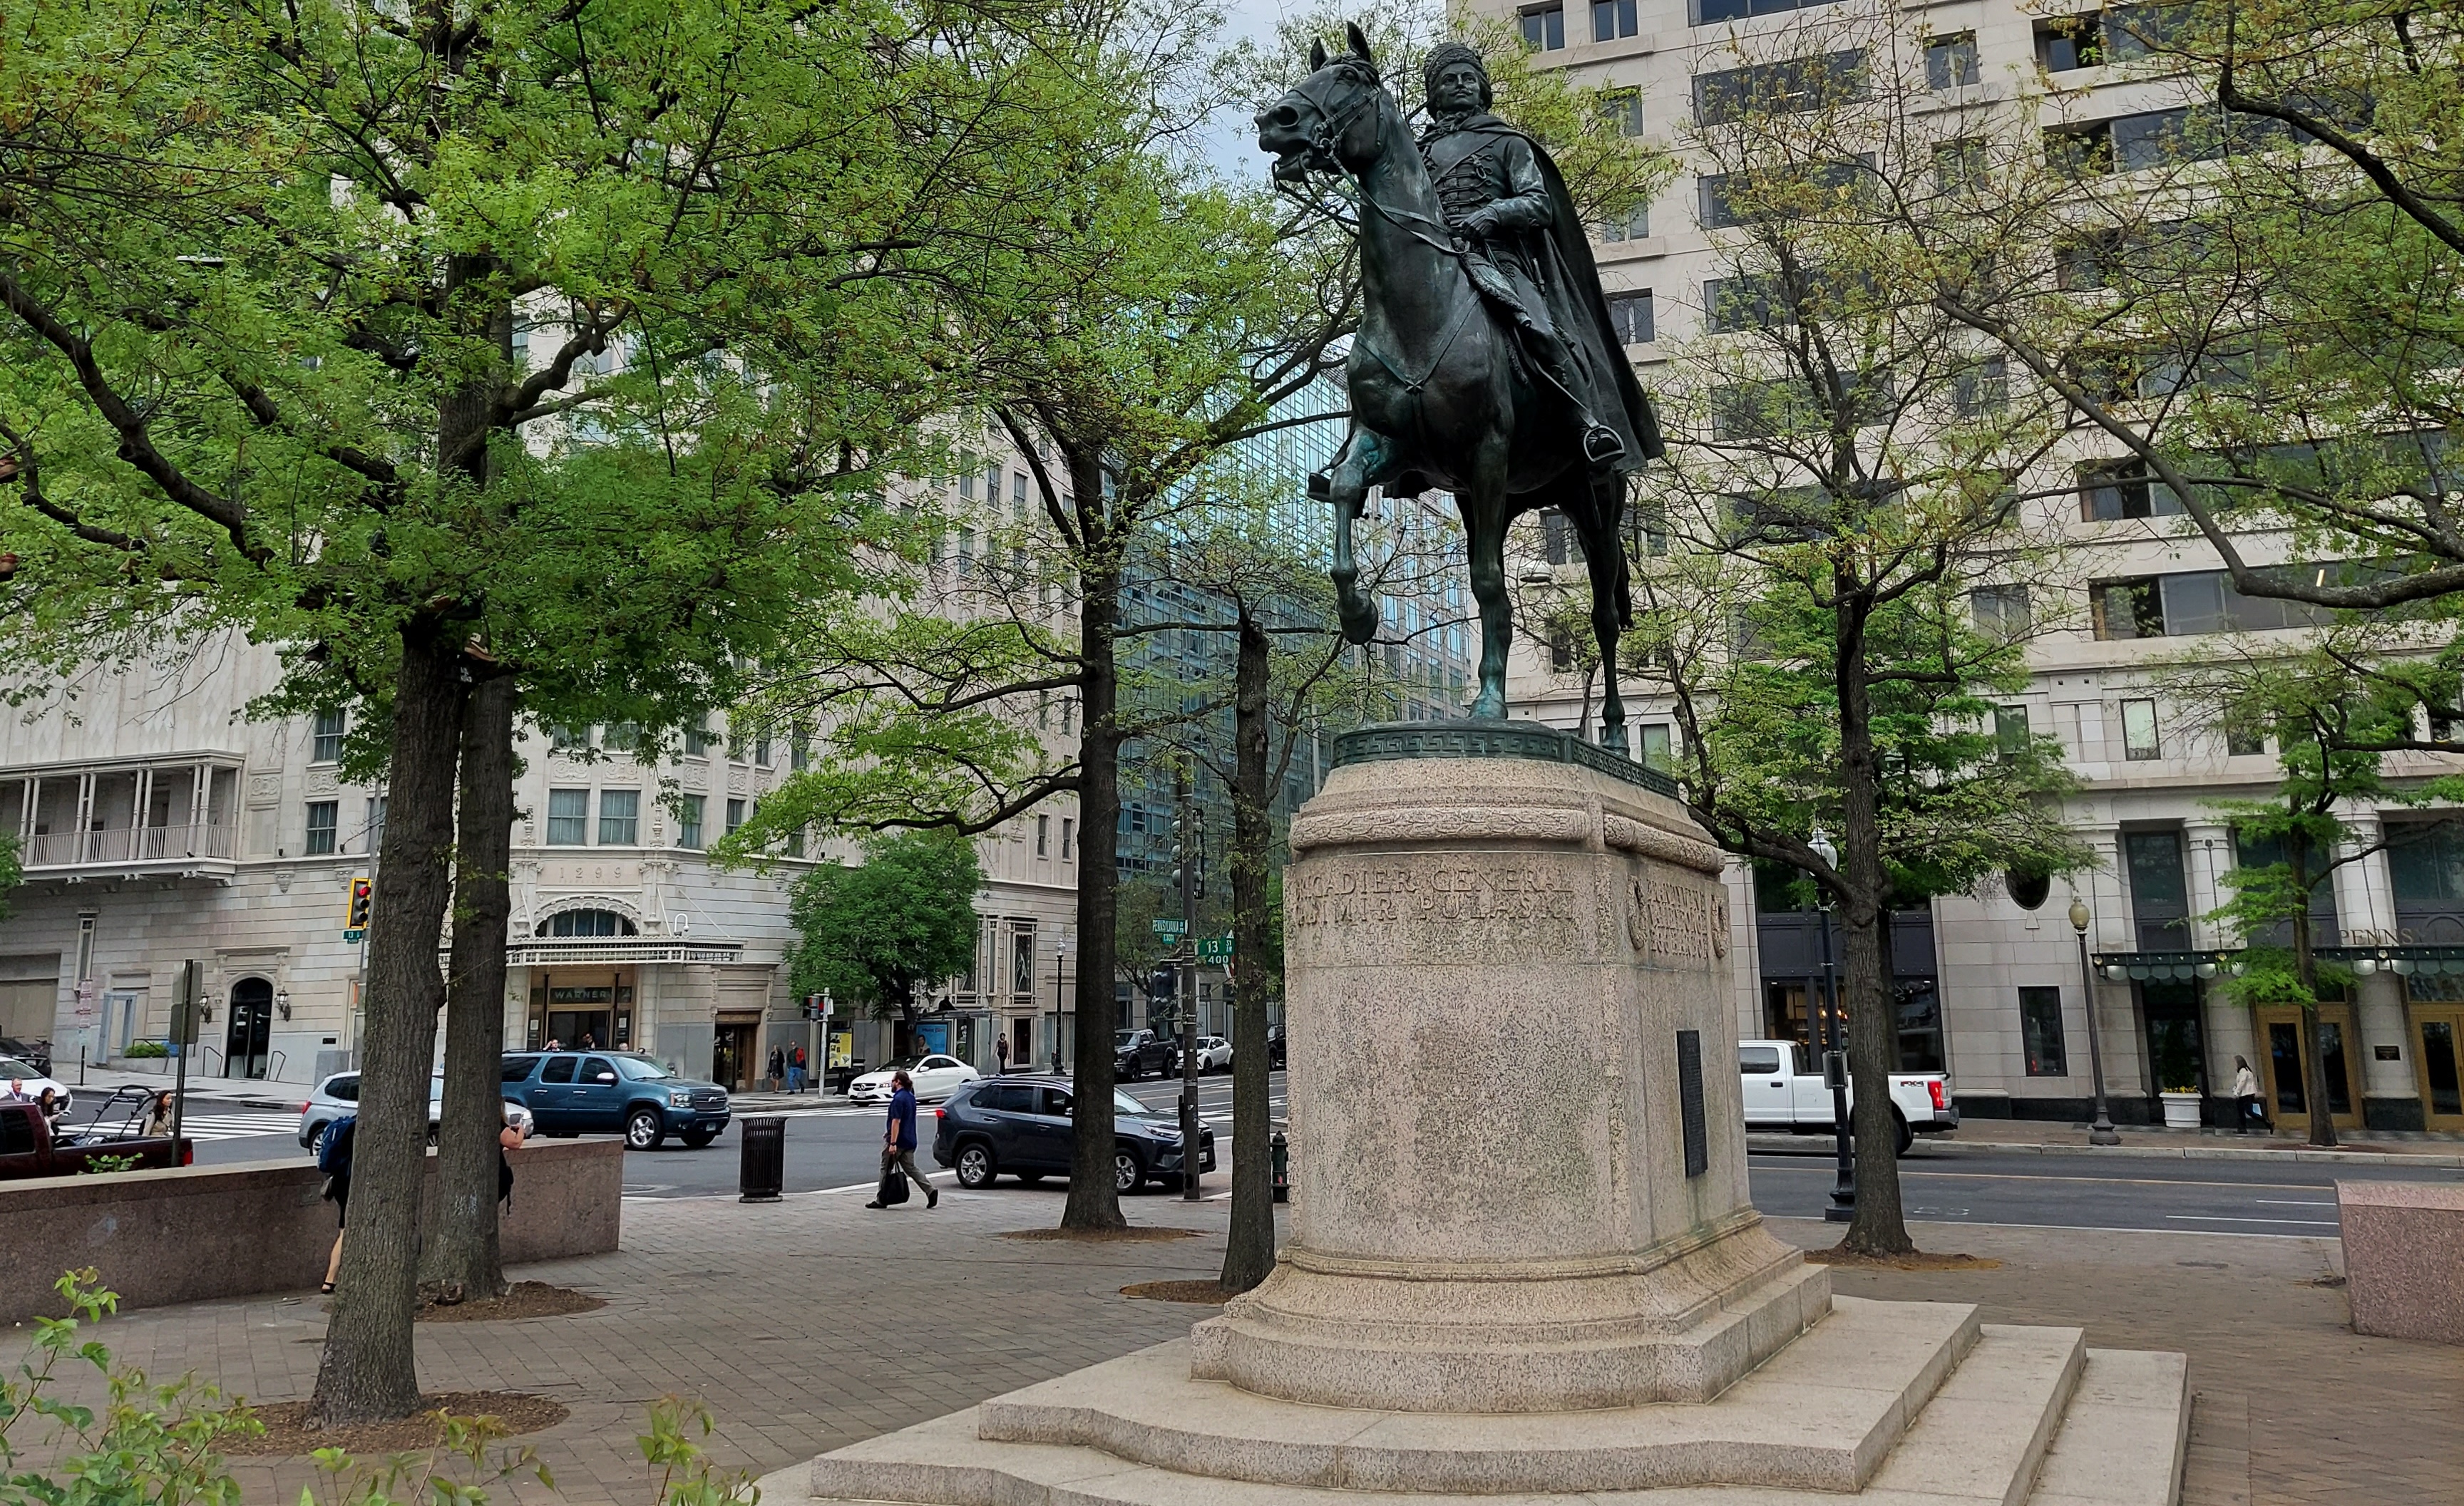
[1171, 928]
[1215, 948]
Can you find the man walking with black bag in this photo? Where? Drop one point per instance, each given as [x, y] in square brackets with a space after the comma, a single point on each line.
[898, 1143]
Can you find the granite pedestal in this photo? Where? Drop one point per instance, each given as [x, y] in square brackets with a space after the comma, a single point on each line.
[1523, 1262]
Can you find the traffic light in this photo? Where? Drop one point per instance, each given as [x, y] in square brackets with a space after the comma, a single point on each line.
[355, 923]
[1165, 984]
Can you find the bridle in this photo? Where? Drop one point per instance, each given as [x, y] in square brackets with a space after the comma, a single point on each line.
[1433, 233]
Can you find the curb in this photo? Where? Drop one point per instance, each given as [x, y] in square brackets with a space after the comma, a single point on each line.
[1820, 1145]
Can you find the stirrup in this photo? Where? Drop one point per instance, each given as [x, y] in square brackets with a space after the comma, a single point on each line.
[1601, 446]
[1321, 487]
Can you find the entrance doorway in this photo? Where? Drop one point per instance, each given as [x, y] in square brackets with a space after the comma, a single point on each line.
[731, 1056]
[2283, 1052]
[583, 1008]
[2438, 1046]
[247, 1038]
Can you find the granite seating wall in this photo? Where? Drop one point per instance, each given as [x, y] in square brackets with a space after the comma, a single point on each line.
[2404, 1258]
[196, 1234]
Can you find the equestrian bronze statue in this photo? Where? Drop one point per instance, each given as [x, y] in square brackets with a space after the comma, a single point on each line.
[1485, 364]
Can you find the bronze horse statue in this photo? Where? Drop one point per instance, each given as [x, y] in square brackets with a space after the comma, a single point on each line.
[1445, 390]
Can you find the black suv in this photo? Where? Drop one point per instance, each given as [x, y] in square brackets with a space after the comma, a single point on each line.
[1020, 1124]
[1135, 1053]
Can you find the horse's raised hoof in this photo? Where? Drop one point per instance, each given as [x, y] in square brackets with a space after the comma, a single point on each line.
[1359, 622]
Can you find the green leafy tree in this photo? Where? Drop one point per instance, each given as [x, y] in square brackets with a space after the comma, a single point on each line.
[12, 872]
[1844, 476]
[2330, 723]
[885, 932]
[438, 345]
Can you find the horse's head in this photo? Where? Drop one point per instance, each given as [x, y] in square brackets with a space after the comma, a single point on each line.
[1329, 122]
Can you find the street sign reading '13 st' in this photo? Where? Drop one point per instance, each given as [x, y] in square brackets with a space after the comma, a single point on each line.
[1215, 948]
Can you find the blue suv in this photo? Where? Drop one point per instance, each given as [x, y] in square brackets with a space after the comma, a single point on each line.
[570, 1092]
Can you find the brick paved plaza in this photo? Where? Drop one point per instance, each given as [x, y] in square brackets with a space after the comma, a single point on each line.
[812, 1323]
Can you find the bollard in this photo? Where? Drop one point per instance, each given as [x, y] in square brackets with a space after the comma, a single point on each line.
[1282, 1159]
[765, 1158]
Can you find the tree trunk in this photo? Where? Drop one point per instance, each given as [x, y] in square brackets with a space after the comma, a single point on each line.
[2305, 967]
[1092, 1202]
[1249, 1252]
[462, 1255]
[1879, 1228]
[366, 1373]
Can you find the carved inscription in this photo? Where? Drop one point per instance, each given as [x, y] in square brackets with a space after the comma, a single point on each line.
[1675, 923]
[1343, 894]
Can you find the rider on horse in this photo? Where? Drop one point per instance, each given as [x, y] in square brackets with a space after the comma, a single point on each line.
[1525, 251]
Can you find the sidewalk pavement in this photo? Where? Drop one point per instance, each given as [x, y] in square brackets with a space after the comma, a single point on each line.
[2046, 1137]
[812, 1323]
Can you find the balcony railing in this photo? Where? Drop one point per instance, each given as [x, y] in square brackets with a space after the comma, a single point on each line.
[209, 841]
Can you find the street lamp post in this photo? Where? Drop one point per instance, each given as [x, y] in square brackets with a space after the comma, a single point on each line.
[2101, 1132]
[1843, 1206]
[1060, 956]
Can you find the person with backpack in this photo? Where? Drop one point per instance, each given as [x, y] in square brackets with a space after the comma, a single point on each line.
[898, 1142]
[333, 1159]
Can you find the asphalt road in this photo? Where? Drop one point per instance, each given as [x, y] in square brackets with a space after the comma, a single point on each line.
[837, 1146]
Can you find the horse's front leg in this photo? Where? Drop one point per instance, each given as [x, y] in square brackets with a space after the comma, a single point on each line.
[1484, 508]
[1346, 483]
[1598, 516]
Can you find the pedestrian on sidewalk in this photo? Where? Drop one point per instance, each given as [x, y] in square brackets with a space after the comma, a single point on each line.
[778, 1068]
[333, 1159]
[1001, 1049]
[796, 1070]
[898, 1140]
[2246, 1101]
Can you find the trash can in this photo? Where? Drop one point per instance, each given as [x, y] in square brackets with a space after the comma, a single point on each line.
[765, 1158]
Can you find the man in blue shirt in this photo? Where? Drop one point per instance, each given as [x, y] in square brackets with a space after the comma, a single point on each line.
[898, 1142]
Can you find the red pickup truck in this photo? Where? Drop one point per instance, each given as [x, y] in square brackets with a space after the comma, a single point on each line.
[28, 1149]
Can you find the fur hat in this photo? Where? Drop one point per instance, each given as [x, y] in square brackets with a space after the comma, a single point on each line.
[1446, 54]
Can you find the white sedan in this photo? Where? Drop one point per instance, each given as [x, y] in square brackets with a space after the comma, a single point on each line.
[1214, 1054]
[936, 1076]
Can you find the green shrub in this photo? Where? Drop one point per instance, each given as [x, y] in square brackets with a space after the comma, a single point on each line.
[154, 1445]
[102, 1165]
[146, 1051]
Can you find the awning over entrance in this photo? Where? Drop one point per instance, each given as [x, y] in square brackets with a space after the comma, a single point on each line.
[546, 951]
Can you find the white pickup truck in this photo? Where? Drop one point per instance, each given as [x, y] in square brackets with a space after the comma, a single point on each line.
[1784, 1089]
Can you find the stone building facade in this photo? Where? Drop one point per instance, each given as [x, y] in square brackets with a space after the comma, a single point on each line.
[1994, 987]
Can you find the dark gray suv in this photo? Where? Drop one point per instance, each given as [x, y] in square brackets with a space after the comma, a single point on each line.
[1021, 1126]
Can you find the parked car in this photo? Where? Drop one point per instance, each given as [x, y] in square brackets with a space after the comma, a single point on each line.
[1274, 1048]
[1021, 1126]
[1214, 1054]
[573, 1092]
[1136, 1052]
[936, 1078]
[30, 1079]
[35, 1053]
[28, 1148]
[1784, 1089]
[340, 1095]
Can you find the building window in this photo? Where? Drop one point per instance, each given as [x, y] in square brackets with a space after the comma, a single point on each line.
[2193, 601]
[328, 745]
[2040, 1033]
[761, 747]
[689, 812]
[2139, 740]
[1709, 12]
[2110, 490]
[1630, 316]
[796, 843]
[2080, 152]
[2125, 609]
[1069, 838]
[376, 822]
[1022, 962]
[2069, 43]
[2010, 731]
[800, 749]
[1018, 496]
[1559, 539]
[1612, 19]
[1791, 87]
[2244, 736]
[1561, 652]
[564, 739]
[697, 739]
[1959, 165]
[568, 817]
[1755, 301]
[1043, 836]
[585, 922]
[1543, 30]
[1844, 180]
[619, 816]
[323, 818]
[2001, 610]
[621, 736]
[1950, 62]
[1623, 109]
[1658, 748]
[734, 814]
[1635, 227]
